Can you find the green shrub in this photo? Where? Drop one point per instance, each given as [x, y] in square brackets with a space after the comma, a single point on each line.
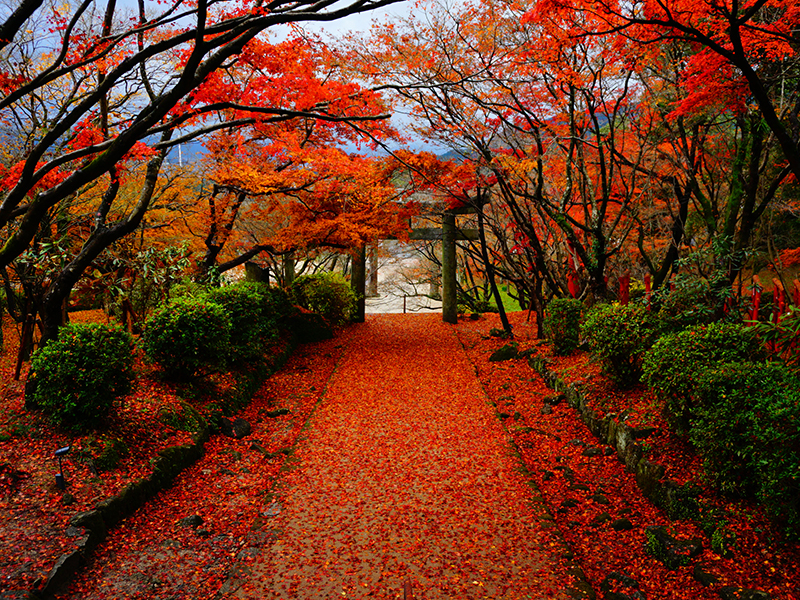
[619, 336]
[672, 365]
[186, 335]
[691, 302]
[327, 294]
[253, 324]
[76, 378]
[747, 429]
[310, 327]
[783, 337]
[278, 302]
[562, 324]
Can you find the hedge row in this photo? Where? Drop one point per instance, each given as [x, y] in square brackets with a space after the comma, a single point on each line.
[77, 378]
[740, 410]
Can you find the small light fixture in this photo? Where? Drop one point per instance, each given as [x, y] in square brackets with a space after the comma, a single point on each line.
[60, 481]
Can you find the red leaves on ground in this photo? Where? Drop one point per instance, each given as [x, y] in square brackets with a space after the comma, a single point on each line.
[405, 473]
[587, 494]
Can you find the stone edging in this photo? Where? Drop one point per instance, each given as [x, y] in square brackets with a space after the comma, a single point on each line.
[676, 500]
[91, 527]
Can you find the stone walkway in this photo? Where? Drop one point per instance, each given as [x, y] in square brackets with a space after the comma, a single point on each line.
[405, 472]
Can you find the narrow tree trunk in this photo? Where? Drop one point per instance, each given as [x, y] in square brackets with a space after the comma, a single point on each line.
[288, 269]
[449, 292]
[358, 283]
[490, 275]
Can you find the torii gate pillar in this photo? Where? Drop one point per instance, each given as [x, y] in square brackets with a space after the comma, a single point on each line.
[449, 294]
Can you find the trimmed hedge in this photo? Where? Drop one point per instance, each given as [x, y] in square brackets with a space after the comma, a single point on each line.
[562, 324]
[254, 322]
[327, 294]
[619, 335]
[77, 378]
[747, 428]
[186, 335]
[671, 367]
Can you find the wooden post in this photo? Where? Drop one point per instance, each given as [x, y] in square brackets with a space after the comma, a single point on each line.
[625, 289]
[358, 282]
[288, 269]
[778, 300]
[449, 294]
[755, 298]
[372, 272]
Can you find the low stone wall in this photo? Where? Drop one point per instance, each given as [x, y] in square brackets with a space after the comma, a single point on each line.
[676, 500]
[91, 527]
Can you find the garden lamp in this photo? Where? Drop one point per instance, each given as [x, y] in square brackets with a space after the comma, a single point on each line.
[60, 481]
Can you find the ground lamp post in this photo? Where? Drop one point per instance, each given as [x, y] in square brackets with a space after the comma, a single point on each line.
[60, 481]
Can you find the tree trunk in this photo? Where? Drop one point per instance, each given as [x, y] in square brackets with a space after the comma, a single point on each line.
[358, 283]
[490, 275]
[449, 292]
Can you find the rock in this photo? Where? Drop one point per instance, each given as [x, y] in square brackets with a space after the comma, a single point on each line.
[259, 448]
[600, 499]
[732, 592]
[576, 442]
[193, 521]
[546, 410]
[507, 352]
[621, 525]
[203, 533]
[548, 475]
[704, 577]
[603, 517]
[580, 486]
[67, 499]
[554, 399]
[278, 412]
[273, 510]
[498, 333]
[618, 586]
[592, 451]
[237, 428]
[641, 433]
[673, 553]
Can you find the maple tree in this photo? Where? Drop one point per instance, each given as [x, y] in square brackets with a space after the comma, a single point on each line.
[548, 126]
[87, 94]
[736, 52]
[590, 154]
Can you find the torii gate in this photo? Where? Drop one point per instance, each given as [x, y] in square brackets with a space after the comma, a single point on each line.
[448, 235]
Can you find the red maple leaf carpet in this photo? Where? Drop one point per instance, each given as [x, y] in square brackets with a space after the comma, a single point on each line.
[404, 472]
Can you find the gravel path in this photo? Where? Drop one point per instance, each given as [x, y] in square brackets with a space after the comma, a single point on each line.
[405, 473]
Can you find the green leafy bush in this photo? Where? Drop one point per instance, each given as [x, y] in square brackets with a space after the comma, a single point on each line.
[562, 324]
[783, 336]
[747, 428]
[278, 302]
[672, 365]
[327, 294]
[77, 378]
[691, 302]
[186, 335]
[619, 336]
[253, 323]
